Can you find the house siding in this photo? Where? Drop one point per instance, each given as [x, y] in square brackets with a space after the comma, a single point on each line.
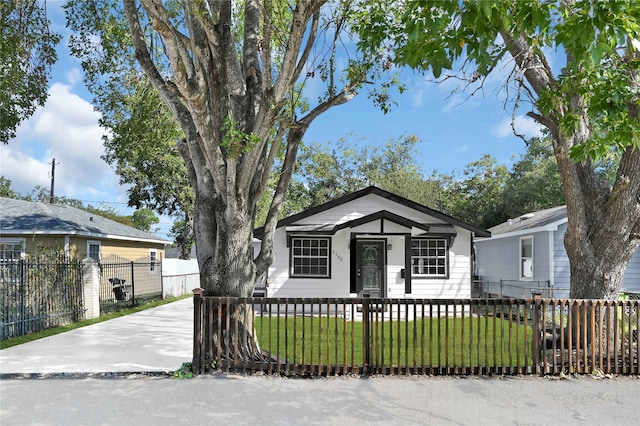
[631, 280]
[77, 246]
[457, 285]
[281, 285]
[497, 259]
[561, 270]
[362, 207]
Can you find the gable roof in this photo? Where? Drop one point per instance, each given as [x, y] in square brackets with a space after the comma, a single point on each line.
[19, 217]
[541, 220]
[383, 194]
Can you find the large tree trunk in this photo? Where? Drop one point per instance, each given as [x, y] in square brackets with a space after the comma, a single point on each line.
[235, 69]
[602, 229]
[603, 221]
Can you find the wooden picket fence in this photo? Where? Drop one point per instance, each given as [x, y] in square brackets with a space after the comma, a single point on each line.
[362, 336]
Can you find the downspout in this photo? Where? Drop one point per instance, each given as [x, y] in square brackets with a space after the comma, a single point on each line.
[552, 265]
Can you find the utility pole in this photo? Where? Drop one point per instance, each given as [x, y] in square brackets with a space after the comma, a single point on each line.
[53, 179]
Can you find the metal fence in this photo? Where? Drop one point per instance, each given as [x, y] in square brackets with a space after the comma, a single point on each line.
[36, 295]
[522, 289]
[125, 283]
[406, 336]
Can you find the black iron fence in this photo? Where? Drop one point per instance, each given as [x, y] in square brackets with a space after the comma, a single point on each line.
[125, 283]
[36, 295]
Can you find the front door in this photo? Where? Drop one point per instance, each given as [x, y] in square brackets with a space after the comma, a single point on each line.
[370, 267]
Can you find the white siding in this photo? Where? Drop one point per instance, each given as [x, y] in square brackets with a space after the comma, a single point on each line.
[498, 259]
[458, 286]
[630, 282]
[281, 285]
[560, 259]
[541, 267]
[362, 207]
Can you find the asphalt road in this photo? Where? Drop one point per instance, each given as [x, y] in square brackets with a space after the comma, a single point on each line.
[237, 400]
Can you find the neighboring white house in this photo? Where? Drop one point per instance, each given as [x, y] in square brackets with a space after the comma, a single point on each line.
[528, 252]
[376, 243]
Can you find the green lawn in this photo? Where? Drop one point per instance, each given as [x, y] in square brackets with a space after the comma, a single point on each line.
[461, 342]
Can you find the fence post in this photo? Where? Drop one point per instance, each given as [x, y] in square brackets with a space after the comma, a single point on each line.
[91, 288]
[366, 346]
[197, 330]
[23, 298]
[133, 285]
[538, 330]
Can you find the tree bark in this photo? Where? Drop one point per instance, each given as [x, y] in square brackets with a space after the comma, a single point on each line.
[603, 222]
[235, 115]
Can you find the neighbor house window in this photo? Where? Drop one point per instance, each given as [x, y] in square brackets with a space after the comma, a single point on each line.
[430, 257]
[153, 258]
[526, 258]
[310, 257]
[93, 250]
[11, 249]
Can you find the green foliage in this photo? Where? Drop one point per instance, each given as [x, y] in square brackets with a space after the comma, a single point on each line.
[27, 52]
[110, 213]
[143, 133]
[486, 194]
[182, 234]
[144, 219]
[328, 172]
[234, 141]
[184, 372]
[601, 40]
[479, 196]
[43, 195]
[5, 188]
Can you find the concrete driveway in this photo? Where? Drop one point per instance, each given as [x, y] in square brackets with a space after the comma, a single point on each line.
[154, 340]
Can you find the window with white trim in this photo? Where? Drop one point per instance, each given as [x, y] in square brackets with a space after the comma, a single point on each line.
[153, 258]
[526, 258]
[93, 250]
[430, 257]
[11, 249]
[310, 257]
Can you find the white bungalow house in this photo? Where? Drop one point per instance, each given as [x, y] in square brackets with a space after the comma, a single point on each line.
[376, 243]
[527, 253]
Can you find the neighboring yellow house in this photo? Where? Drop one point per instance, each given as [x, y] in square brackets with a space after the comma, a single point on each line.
[25, 226]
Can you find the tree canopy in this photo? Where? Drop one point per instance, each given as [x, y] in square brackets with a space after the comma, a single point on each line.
[232, 75]
[27, 51]
[574, 65]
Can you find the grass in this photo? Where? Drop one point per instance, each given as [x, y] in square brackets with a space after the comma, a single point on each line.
[477, 341]
[7, 343]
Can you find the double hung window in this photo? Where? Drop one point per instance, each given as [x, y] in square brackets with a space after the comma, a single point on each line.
[310, 257]
[430, 257]
[526, 258]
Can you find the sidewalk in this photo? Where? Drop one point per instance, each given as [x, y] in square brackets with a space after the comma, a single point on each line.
[157, 339]
[222, 399]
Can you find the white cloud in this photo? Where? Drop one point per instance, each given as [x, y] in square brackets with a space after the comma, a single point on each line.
[66, 129]
[523, 125]
[74, 75]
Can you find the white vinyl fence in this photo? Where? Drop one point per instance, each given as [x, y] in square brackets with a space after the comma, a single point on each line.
[179, 277]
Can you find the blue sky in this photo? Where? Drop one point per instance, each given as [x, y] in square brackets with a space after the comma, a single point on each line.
[452, 133]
